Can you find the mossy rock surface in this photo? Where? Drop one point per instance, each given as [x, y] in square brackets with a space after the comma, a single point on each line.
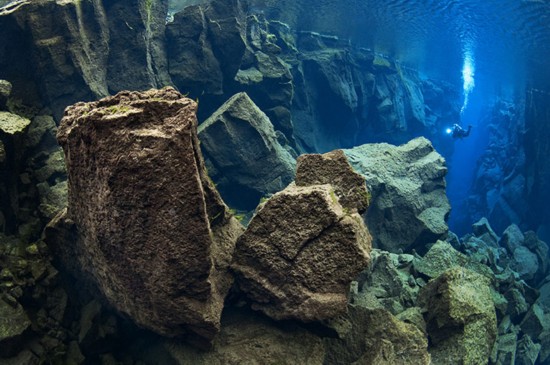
[12, 123]
[460, 316]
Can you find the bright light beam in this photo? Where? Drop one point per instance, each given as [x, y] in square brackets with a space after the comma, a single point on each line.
[468, 71]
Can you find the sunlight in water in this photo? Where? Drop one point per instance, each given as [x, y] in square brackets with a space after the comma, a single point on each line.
[468, 70]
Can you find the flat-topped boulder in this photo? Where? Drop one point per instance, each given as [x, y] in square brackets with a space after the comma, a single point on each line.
[149, 228]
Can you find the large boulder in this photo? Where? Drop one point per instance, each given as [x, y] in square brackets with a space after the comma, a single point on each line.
[443, 256]
[12, 124]
[460, 317]
[388, 282]
[299, 254]
[144, 223]
[512, 238]
[333, 168]
[243, 155]
[377, 337]
[409, 207]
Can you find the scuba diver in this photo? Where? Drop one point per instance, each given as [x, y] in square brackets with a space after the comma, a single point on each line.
[458, 132]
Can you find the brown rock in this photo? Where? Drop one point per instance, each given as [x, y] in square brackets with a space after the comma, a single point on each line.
[299, 254]
[334, 168]
[148, 226]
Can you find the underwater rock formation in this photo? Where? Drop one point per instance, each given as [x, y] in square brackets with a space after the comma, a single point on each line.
[13, 324]
[12, 129]
[243, 153]
[245, 338]
[371, 289]
[377, 337]
[63, 52]
[205, 46]
[460, 316]
[333, 168]
[5, 91]
[150, 229]
[409, 207]
[300, 252]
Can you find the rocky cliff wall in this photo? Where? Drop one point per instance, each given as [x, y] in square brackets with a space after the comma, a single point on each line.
[512, 175]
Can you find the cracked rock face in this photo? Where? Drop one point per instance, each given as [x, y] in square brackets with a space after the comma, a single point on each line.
[299, 254]
[149, 229]
[409, 206]
[334, 168]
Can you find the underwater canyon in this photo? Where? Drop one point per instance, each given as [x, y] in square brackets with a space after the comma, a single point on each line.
[233, 182]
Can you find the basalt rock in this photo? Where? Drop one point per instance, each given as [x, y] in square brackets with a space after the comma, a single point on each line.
[144, 224]
[299, 254]
[58, 53]
[409, 206]
[333, 168]
[387, 282]
[11, 124]
[242, 152]
[460, 317]
[377, 337]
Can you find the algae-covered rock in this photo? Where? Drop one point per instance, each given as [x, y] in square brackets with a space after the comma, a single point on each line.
[243, 154]
[377, 337]
[527, 351]
[505, 349]
[144, 223]
[409, 206]
[53, 166]
[460, 317]
[13, 124]
[443, 256]
[299, 254]
[13, 324]
[333, 168]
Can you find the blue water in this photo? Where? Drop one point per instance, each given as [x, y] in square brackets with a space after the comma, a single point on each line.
[503, 44]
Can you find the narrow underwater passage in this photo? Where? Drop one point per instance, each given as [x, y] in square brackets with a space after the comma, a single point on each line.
[463, 161]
